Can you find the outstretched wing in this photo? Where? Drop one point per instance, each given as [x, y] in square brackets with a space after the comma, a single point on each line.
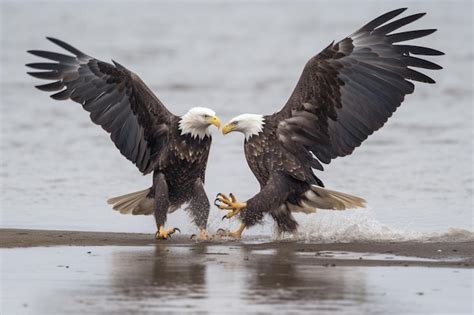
[351, 88]
[116, 98]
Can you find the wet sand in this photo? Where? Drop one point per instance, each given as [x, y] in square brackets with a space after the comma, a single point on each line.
[430, 254]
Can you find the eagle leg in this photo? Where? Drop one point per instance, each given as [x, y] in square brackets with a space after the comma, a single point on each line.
[235, 234]
[165, 234]
[229, 203]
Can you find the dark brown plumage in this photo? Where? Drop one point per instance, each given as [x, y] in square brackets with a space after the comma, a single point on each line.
[344, 94]
[352, 87]
[140, 126]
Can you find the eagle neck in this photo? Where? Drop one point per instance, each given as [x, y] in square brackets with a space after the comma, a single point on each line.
[188, 127]
[253, 126]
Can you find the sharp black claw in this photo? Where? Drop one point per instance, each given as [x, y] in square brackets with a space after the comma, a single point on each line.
[176, 229]
[224, 217]
[215, 202]
[194, 236]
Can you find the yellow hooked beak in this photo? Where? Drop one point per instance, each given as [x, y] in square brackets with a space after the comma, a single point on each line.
[228, 128]
[214, 120]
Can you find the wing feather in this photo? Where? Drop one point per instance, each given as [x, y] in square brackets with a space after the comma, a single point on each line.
[115, 97]
[50, 87]
[351, 88]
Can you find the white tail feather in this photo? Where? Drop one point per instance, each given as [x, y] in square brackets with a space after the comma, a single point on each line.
[321, 198]
[334, 200]
[133, 203]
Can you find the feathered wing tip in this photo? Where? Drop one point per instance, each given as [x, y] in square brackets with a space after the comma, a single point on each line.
[322, 198]
[381, 20]
[379, 28]
[133, 203]
[67, 47]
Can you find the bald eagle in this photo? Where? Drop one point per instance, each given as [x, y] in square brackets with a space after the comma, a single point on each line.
[344, 94]
[174, 148]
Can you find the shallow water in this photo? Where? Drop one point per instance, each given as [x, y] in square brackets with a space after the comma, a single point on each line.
[57, 168]
[216, 279]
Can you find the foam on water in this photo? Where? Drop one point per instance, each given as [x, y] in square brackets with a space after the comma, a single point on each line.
[362, 226]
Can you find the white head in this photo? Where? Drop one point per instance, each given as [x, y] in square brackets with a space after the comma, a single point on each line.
[248, 124]
[197, 121]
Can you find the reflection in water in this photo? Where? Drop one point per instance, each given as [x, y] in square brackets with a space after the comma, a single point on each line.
[285, 275]
[161, 273]
[209, 278]
[219, 279]
[178, 275]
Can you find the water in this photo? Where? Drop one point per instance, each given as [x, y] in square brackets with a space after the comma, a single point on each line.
[215, 279]
[58, 168]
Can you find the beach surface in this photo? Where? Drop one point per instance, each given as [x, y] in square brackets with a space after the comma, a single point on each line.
[49, 272]
[431, 254]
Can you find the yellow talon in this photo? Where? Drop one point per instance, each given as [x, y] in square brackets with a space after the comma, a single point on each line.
[163, 234]
[235, 234]
[204, 234]
[229, 203]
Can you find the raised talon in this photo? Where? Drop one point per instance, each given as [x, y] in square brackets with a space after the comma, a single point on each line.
[163, 234]
[219, 198]
[229, 203]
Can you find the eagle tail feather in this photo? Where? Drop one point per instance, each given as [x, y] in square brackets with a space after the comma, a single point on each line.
[322, 198]
[133, 203]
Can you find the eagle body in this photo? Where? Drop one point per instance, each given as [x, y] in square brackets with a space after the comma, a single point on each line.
[280, 172]
[174, 148]
[182, 166]
[266, 155]
[185, 161]
[344, 94]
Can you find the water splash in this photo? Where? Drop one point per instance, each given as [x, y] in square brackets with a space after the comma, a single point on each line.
[361, 226]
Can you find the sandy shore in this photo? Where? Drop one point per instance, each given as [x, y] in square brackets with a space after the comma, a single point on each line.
[431, 254]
